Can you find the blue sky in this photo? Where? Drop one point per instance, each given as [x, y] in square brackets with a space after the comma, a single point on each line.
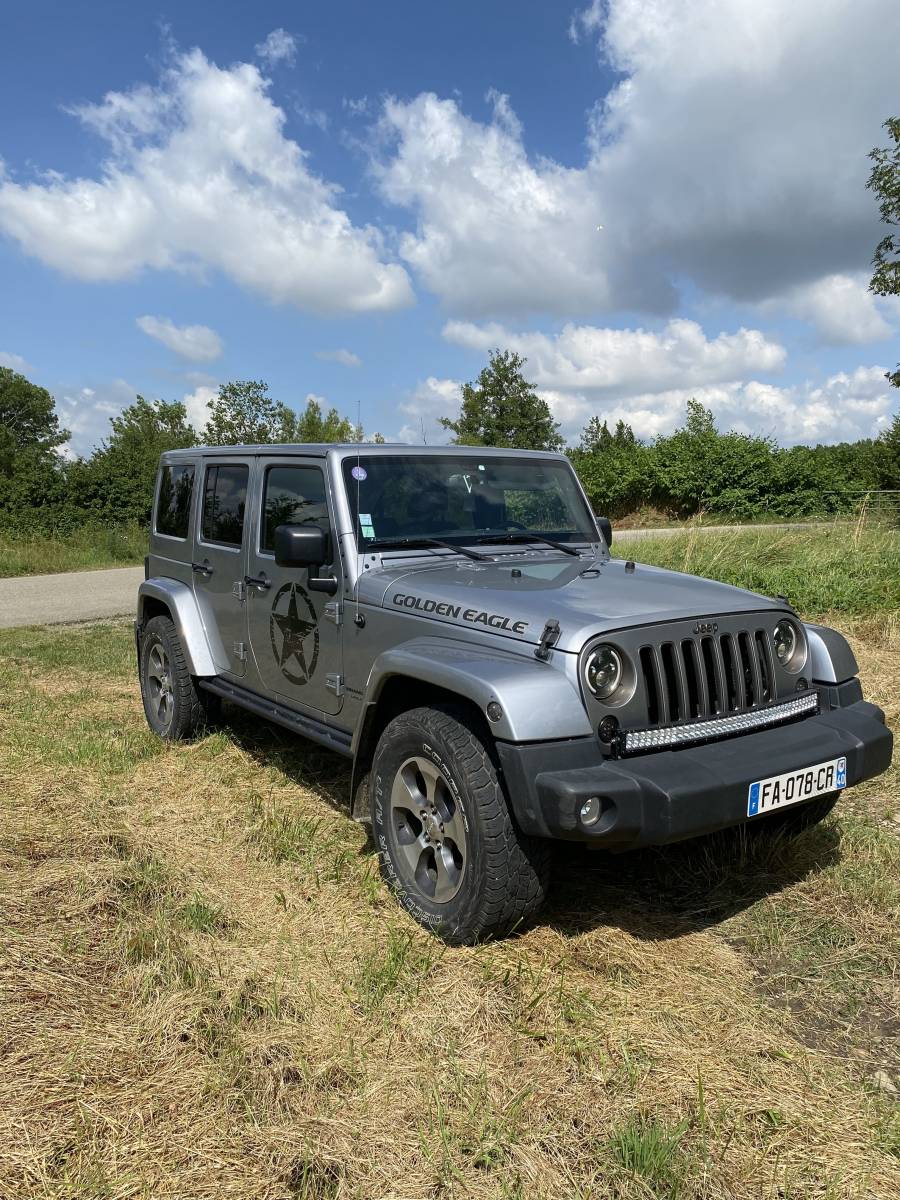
[357, 201]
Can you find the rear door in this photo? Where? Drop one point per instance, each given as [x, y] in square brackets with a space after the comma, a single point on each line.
[219, 557]
[295, 642]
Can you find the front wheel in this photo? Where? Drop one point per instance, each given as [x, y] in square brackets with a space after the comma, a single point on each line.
[174, 706]
[446, 842]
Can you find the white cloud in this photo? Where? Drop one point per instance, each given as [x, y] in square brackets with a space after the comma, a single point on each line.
[841, 309]
[586, 21]
[202, 177]
[197, 404]
[728, 156]
[356, 107]
[279, 47]
[844, 407]
[346, 358]
[14, 361]
[432, 398]
[315, 117]
[198, 343]
[86, 411]
[495, 232]
[585, 357]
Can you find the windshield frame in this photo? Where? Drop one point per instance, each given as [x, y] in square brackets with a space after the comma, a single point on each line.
[585, 530]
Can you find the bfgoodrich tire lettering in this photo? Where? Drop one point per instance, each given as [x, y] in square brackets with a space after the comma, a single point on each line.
[436, 795]
[173, 704]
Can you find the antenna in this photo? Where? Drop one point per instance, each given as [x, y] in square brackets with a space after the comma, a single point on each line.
[357, 527]
[424, 438]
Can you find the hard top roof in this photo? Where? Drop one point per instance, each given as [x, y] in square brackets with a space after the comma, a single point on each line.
[345, 449]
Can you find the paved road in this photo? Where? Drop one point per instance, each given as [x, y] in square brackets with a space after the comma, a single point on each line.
[73, 596]
[86, 595]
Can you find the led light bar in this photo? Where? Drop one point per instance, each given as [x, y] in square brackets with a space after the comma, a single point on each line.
[720, 727]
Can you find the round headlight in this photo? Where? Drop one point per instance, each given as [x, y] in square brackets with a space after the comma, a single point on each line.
[790, 649]
[604, 671]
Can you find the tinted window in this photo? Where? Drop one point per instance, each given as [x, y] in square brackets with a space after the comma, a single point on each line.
[224, 500]
[295, 496]
[173, 503]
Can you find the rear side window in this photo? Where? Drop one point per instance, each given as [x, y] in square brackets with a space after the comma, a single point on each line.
[292, 496]
[173, 503]
[224, 501]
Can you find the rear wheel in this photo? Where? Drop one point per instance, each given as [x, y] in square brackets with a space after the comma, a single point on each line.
[174, 706]
[446, 841]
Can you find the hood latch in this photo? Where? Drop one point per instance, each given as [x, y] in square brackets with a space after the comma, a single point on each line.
[549, 638]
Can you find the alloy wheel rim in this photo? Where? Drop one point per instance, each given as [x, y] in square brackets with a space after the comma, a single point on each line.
[429, 829]
[159, 683]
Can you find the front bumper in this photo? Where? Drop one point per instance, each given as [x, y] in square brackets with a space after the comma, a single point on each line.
[670, 795]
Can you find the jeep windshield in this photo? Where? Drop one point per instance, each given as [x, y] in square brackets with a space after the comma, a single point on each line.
[406, 500]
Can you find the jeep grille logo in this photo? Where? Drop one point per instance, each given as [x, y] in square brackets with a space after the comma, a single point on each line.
[706, 627]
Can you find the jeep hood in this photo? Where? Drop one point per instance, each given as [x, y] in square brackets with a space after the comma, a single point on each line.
[515, 598]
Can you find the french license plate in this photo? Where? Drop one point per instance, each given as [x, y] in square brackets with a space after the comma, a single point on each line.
[778, 791]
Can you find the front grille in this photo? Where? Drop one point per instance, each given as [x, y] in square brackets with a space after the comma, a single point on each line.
[707, 676]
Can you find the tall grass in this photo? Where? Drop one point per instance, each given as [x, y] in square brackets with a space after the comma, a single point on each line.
[847, 568]
[87, 548]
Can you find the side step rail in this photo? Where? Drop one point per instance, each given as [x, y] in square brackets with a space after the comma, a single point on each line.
[280, 714]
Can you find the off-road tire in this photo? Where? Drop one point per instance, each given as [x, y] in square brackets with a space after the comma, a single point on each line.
[505, 875]
[189, 709]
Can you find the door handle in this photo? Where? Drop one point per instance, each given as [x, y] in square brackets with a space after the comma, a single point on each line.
[257, 582]
[201, 569]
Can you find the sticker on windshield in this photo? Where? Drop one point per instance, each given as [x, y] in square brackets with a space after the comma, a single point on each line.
[365, 524]
[359, 473]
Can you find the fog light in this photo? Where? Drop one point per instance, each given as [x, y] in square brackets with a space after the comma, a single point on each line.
[590, 811]
[802, 685]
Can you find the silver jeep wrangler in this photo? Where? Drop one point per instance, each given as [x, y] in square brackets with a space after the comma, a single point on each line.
[450, 619]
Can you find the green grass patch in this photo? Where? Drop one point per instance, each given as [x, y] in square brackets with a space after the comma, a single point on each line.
[833, 568]
[84, 549]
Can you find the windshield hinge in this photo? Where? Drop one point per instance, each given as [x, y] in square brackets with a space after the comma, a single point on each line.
[549, 638]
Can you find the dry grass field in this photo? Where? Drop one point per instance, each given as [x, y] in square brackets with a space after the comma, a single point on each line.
[206, 991]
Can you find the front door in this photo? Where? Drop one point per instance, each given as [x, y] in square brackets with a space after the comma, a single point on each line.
[218, 560]
[296, 645]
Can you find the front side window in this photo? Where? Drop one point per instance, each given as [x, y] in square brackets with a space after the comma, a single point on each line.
[224, 501]
[464, 498]
[292, 496]
[173, 501]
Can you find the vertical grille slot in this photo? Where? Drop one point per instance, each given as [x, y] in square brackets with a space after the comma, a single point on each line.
[749, 668]
[712, 675]
[649, 674]
[695, 706]
[730, 668]
[762, 648]
[670, 681]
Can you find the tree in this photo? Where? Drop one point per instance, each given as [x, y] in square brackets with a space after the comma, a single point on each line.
[31, 472]
[312, 426]
[615, 468]
[116, 483]
[244, 414]
[884, 181]
[502, 409]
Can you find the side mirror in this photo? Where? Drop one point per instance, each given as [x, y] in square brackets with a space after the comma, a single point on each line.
[301, 546]
[605, 529]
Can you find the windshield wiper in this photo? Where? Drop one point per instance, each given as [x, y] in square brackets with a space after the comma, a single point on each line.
[409, 543]
[519, 538]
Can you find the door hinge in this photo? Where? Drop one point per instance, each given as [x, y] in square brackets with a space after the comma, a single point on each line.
[334, 611]
[335, 683]
[239, 589]
[240, 651]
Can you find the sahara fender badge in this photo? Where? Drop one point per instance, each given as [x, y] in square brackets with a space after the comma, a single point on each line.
[294, 633]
